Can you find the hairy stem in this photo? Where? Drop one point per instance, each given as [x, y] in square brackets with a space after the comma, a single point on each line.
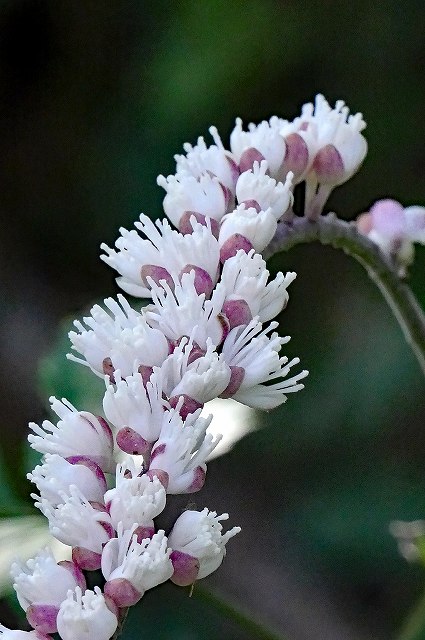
[329, 230]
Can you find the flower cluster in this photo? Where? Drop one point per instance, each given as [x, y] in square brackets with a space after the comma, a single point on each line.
[394, 229]
[208, 332]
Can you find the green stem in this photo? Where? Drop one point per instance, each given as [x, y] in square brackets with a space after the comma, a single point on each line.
[414, 627]
[329, 230]
[121, 623]
[255, 629]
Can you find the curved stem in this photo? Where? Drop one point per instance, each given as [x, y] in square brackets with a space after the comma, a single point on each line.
[414, 626]
[330, 230]
[255, 629]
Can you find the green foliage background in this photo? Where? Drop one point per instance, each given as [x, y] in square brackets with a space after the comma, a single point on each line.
[96, 97]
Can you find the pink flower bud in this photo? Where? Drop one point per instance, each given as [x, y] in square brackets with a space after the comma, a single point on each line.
[157, 274]
[296, 155]
[248, 157]
[328, 166]
[122, 592]
[185, 225]
[186, 568]
[237, 312]
[202, 282]
[232, 245]
[188, 406]
[132, 442]
[236, 379]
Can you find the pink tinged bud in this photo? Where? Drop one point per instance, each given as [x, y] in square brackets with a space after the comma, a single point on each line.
[202, 282]
[195, 353]
[42, 617]
[106, 429]
[234, 169]
[251, 204]
[108, 369]
[198, 480]
[364, 223]
[237, 312]
[122, 592]
[186, 568]
[75, 571]
[162, 476]
[132, 442]
[94, 468]
[248, 158]
[157, 274]
[143, 533]
[328, 165]
[235, 243]
[296, 156]
[190, 405]
[236, 378]
[145, 372]
[388, 218]
[86, 559]
[185, 225]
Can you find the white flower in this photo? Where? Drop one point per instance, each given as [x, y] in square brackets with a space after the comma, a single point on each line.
[86, 616]
[75, 522]
[202, 380]
[185, 312]
[185, 193]
[182, 449]
[131, 403]
[256, 354]
[143, 564]
[42, 581]
[245, 275]
[199, 534]
[136, 498]
[214, 160]
[121, 341]
[41, 585]
[162, 255]
[339, 146]
[77, 433]
[265, 139]
[255, 185]
[248, 224]
[56, 474]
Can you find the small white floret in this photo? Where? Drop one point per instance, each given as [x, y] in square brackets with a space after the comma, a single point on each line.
[199, 534]
[86, 616]
[144, 564]
[136, 498]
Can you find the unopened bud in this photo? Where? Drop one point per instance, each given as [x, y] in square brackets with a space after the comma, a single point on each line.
[329, 166]
[186, 568]
[232, 245]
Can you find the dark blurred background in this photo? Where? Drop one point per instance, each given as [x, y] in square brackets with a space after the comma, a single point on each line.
[96, 97]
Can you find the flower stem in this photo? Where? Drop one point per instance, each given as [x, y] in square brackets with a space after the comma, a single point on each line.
[121, 623]
[255, 629]
[414, 626]
[330, 230]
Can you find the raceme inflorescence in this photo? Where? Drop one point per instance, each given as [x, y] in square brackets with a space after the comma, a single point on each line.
[208, 332]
